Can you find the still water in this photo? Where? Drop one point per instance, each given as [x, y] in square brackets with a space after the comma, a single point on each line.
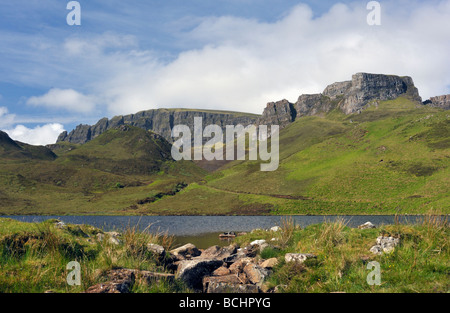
[203, 231]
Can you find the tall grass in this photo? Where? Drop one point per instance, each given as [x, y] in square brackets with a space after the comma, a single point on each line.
[331, 233]
[35, 260]
[288, 228]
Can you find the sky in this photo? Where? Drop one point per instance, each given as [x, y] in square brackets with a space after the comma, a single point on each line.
[237, 55]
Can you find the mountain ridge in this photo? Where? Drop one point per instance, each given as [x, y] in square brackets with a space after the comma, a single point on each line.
[350, 96]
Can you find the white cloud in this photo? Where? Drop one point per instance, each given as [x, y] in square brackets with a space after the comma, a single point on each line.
[67, 99]
[242, 64]
[237, 63]
[98, 44]
[40, 135]
[6, 119]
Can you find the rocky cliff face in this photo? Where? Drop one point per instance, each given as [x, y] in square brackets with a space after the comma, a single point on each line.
[278, 113]
[442, 102]
[348, 96]
[368, 87]
[160, 121]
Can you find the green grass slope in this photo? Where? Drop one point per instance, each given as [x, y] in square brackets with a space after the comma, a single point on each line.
[109, 175]
[15, 150]
[392, 158]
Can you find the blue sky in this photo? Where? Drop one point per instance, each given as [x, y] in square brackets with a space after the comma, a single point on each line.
[128, 56]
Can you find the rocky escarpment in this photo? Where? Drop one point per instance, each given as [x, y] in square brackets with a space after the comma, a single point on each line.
[442, 102]
[278, 113]
[348, 96]
[160, 121]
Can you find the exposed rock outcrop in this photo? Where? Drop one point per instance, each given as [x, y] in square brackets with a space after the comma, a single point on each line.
[160, 121]
[368, 87]
[385, 244]
[280, 113]
[442, 102]
[348, 96]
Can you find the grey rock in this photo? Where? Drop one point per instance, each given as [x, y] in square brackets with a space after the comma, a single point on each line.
[315, 104]
[120, 281]
[385, 245]
[337, 89]
[269, 263]
[442, 102]
[256, 274]
[186, 252]
[366, 225]
[160, 121]
[298, 257]
[215, 280]
[275, 228]
[367, 87]
[193, 271]
[220, 287]
[219, 253]
[157, 250]
[280, 113]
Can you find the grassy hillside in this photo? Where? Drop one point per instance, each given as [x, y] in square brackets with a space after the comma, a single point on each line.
[10, 149]
[109, 175]
[392, 158]
[34, 257]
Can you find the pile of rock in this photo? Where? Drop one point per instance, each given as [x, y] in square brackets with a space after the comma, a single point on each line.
[228, 269]
[385, 244]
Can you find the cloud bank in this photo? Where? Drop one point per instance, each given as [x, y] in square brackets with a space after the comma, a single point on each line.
[234, 63]
[67, 99]
[40, 135]
[241, 64]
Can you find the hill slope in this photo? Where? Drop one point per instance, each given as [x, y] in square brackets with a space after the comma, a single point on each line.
[392, 157]
[109, 175]
[10, 149]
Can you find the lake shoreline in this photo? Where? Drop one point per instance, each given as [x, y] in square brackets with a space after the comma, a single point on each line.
[330, 256]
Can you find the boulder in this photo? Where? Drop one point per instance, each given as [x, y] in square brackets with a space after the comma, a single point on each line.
[366, 225]
[257, 242]
[269, 263]
[238, 266]
[227, 279]
[120, 281]
[157, 250]
[256, 274]
[110, 237]
[221, 271]
[275, 228]
[153, 277]
[219, 287]
[60, 224]
[187, 251]
[298, 257]
[193, 271]
[216, 252]
[385, 244]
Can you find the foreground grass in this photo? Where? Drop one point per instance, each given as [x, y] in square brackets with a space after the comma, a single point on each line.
[33, 257]
[420, 264]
